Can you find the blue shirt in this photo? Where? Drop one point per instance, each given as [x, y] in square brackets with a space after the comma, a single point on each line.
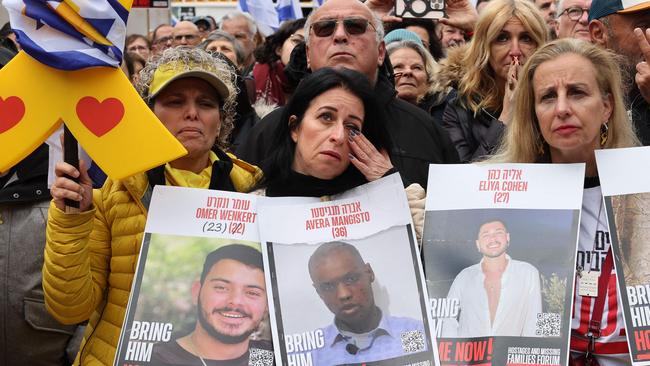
[394, 337]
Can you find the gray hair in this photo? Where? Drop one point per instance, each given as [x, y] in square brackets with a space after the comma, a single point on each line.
[376, 22]
[252, 26]
[195, 59]
[221, 35]
[431, 67]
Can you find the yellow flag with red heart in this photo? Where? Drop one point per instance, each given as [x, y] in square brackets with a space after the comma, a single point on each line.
[76, 81]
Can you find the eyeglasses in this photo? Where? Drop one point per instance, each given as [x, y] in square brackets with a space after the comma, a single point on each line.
[188, 37]
[352, 26]
[163, 40]
[575, 13]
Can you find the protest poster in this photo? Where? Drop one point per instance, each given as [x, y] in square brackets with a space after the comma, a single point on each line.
[499, 250]
[346, 279]
[626, 191]
[199, 291]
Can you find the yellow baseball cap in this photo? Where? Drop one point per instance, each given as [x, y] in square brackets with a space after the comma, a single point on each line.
[167, 73]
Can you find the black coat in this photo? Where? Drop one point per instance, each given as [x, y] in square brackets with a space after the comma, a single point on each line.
[436, 108]
[417, 140]
[473, 136]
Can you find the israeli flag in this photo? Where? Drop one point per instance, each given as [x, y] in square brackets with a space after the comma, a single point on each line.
[318, 3]
[70, 34]
[264, 13]
[288, 10]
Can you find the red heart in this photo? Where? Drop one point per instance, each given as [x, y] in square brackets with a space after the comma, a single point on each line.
[12, 111]
[98, 117]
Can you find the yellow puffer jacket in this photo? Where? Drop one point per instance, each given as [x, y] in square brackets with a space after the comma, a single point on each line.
[90, 259]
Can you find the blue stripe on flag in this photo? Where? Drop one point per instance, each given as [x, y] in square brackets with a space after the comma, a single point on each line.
[62, 60]
[41, 13]
[286, 13]
[243, 5]
[119, 10]
[288, 10]
[49, 38]
[103, 26]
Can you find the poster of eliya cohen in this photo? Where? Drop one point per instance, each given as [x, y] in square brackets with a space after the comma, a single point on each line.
[626, 190]
[199, 293]
[499, 247]
[347, 282]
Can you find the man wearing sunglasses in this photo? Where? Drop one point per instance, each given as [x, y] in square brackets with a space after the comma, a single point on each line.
[573, 19]
[345, 33]
[185, 33]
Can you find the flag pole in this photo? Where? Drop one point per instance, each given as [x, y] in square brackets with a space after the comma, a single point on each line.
[70, 156]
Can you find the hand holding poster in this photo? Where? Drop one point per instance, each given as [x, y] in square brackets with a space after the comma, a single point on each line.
[346, 279]
[627, 199]
[499, 249]
[199, 294]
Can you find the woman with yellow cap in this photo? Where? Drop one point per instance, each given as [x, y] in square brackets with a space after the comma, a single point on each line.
[91, 255]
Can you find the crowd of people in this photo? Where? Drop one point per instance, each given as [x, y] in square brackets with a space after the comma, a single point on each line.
[325, 104]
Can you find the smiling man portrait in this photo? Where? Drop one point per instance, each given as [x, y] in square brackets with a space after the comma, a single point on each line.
[230, 300]
[499, 296]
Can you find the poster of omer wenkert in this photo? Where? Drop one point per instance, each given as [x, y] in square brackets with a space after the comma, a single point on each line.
[499, 248]
[347, 282]
[626, 191]
[199, 294]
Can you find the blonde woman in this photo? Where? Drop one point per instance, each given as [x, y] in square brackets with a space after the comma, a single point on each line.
[570, 103]
[507, 33]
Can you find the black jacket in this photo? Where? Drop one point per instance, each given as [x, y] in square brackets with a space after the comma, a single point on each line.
[473, 137]
[436, 108]
[417, 140]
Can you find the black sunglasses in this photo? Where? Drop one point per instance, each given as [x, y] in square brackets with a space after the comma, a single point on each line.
[352, 26]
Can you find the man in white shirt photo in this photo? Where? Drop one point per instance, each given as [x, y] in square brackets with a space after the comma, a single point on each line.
[499, 296]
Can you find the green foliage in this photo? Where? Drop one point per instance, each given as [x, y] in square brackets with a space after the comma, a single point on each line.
[553, 292]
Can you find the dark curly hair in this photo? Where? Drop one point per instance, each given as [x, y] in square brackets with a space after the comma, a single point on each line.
[265, 54]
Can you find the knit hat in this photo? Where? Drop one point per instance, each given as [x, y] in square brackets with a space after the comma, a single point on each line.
[402, 35]
[601, 8]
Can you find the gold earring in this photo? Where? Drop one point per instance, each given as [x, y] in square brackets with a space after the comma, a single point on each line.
[604, 133]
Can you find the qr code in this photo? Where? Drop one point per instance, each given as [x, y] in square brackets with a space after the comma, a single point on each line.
[421, 363]
[548, 325]
[413, 341]
[260, 357]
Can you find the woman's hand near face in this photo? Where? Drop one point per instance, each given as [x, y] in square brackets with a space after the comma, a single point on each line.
[65, 187]
[509, 95]
[372, 163]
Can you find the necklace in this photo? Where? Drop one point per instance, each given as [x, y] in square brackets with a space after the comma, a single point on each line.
[196, 352]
